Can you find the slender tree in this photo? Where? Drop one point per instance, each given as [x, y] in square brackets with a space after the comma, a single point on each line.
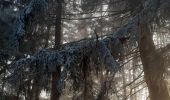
[55, 93]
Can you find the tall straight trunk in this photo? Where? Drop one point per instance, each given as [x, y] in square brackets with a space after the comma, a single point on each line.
[133, 90]
[153, 66]
[55, 94]
[86, 95]
[86, 92]
[34, 93]
[124, 83]
[36, 88]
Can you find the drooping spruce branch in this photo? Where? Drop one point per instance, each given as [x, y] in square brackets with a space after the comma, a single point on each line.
[26, 16]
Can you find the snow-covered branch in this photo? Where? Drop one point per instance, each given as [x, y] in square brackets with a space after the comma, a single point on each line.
[32, 11]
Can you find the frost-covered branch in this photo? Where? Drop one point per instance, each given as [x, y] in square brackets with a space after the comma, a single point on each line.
[26, 16]
[69, 57]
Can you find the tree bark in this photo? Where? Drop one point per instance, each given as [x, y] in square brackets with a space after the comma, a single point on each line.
[153, 66]
[55, 94]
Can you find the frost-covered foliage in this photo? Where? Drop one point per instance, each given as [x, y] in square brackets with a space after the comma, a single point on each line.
[70, 57]
[30, 13]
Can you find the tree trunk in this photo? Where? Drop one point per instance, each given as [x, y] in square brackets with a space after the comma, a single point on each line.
[124, 83]
[55, 94]
[36, 89]
[153, 66]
